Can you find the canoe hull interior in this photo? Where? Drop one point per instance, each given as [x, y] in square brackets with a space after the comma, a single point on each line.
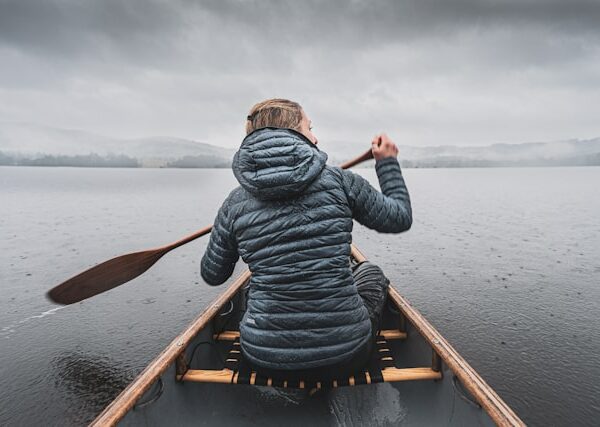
[426, 402]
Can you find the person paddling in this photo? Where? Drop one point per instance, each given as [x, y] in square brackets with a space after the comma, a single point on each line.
[310, 313]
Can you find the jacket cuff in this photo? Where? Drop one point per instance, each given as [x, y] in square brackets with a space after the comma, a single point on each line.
[382, 164]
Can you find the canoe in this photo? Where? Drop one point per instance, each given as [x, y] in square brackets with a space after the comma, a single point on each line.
[415, 377]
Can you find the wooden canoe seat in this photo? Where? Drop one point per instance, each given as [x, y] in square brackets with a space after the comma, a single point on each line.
[381, 368]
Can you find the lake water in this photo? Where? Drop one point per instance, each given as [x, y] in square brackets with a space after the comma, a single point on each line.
[504, 262]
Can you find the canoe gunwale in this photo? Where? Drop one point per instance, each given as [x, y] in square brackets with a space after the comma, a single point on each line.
[495, 407]
[125, 401]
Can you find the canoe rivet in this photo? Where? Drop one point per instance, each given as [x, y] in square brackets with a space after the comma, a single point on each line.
[180, 343]
[436, 341]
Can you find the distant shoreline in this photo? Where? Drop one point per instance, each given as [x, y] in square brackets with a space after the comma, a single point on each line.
[31, 145]
[209, 161]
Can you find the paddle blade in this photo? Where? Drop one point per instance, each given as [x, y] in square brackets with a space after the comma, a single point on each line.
[104, 277]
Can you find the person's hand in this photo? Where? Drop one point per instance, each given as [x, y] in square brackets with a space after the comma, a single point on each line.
[382, 146]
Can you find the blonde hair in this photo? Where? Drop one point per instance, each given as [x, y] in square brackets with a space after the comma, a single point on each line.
[275, 112]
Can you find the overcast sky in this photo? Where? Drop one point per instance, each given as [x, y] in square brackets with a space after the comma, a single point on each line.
[468, 72]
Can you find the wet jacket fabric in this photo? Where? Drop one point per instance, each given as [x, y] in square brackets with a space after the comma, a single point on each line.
[291, 221]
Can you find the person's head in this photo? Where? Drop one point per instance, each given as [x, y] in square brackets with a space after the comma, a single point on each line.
[280, 113]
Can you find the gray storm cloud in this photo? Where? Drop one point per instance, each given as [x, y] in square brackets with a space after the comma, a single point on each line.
[428, 73]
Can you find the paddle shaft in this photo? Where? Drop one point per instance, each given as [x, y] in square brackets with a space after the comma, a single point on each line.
[122, 269]
[187, 239]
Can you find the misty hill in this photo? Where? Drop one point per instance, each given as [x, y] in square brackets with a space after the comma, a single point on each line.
[558, 153]
[29, 144]
[572, 152]
[34, 145]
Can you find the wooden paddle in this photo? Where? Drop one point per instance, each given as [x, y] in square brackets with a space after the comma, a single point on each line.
[122, 269]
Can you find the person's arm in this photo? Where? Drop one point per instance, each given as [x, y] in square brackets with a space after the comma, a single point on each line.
[389, 211]
[221, 253]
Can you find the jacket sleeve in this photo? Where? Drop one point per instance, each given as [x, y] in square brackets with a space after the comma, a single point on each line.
[221, 253]
[387, 212]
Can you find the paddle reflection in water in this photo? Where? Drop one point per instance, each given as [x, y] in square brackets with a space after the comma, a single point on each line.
[89, 382]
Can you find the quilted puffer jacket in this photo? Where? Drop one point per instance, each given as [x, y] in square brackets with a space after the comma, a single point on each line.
[291, 222]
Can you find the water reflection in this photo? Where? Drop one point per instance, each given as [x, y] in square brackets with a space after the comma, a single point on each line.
[88, 381]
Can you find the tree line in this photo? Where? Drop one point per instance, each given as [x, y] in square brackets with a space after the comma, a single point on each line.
[85, 160]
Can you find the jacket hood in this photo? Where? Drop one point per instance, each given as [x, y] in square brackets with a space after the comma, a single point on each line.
[274, 163]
